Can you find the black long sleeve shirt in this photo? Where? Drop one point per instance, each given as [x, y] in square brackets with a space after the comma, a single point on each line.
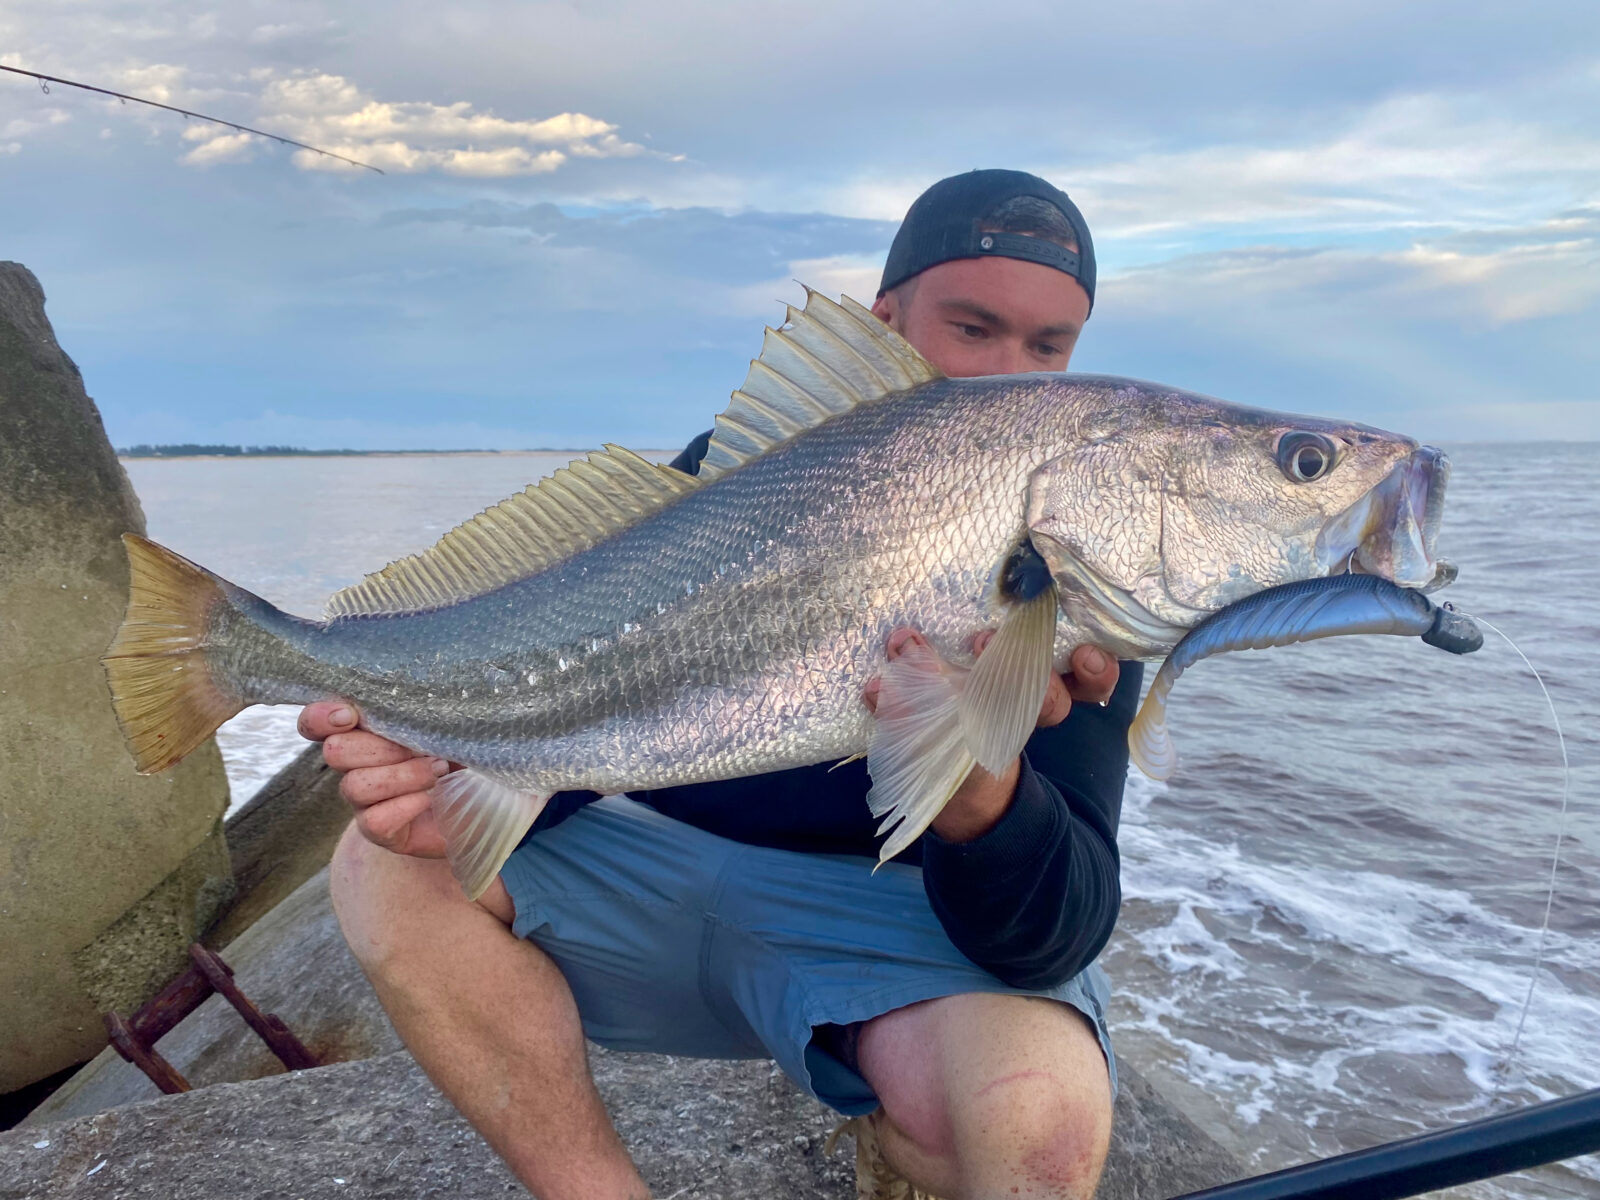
[1032, 901]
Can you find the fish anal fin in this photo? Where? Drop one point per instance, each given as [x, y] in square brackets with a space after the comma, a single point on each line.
[825, 360]
[564, 514]
[482, 821]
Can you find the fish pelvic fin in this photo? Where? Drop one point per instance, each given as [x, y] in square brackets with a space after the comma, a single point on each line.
[482, 821]
[575, 508]
[935, 721]
[825, 360]
[917, 756]
[162, 687]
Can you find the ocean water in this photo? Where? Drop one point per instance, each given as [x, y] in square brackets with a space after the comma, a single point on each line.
[1332, 909]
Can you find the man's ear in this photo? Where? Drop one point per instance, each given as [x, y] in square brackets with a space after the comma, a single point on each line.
[887, 308]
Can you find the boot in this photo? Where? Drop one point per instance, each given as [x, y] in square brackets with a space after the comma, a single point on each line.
[875, 1178]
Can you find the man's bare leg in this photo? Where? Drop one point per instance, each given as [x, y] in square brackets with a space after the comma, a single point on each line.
[489, 1017]
[990, 1095]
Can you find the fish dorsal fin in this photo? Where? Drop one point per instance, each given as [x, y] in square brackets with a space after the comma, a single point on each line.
[824, 361]
[565, 513]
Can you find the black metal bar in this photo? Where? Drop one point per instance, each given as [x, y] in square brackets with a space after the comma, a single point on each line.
[1514, 1141]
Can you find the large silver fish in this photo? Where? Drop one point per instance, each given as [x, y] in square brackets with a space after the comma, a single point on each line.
[621, 625]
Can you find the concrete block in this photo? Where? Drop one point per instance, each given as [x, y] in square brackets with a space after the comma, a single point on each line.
[83, 838]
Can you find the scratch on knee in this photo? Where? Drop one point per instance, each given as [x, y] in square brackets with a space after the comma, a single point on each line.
[1013, 1078]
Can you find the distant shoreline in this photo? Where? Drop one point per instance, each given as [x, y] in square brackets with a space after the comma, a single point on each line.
[157, 454]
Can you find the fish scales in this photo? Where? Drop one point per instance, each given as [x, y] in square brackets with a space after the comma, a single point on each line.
[722, 636]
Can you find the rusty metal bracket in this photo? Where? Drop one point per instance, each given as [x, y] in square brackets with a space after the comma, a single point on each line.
[135, 1037]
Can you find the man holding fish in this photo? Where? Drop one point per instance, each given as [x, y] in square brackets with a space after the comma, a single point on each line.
[948, 1001]
[869, 557]
[872, 559]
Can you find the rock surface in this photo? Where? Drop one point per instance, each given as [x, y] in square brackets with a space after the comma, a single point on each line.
[706, 1130]
[283, 836]
[106, 875]
[696, 1128]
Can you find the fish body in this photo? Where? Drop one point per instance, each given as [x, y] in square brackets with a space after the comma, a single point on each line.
[727, 628]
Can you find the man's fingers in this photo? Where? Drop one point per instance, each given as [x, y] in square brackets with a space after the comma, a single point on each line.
[373, 785]
[351, 751]
[1093, 676]
[326, 718]
[1057, 703]
[902, 638]
[393, 823]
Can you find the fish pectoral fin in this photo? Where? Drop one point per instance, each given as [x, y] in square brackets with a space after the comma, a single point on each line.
[917, 755]
[1000, 704]
[482, 821]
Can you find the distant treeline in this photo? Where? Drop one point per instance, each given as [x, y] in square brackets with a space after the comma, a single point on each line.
[195, 450]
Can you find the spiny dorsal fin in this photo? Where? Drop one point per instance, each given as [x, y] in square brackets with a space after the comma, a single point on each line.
[824, 361]
[561, 515]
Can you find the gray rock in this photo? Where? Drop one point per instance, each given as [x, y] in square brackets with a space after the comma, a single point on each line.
[280, 838]
[105, 875]
[696, 1128]
[709, 1130]
[293, 963]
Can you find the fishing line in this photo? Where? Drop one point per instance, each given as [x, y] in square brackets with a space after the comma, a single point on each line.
[1555, 861]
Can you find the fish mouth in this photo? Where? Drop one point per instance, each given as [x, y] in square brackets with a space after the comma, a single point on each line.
[1391, 531]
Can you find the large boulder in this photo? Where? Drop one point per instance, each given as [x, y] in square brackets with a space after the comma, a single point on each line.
[106, 875]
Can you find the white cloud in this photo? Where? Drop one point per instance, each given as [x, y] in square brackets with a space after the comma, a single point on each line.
[11, 148]
[1519, 283]
[1494, 276]
[218, 145]
[333, 113]
[1419, 160]
[44, 118]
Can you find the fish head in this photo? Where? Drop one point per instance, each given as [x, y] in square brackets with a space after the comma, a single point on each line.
[1174, 506]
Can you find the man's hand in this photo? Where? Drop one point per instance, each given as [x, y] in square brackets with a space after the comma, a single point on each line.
[982, 799]
[384, 782]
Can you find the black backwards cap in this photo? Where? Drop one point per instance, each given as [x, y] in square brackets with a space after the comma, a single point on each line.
[943, 224]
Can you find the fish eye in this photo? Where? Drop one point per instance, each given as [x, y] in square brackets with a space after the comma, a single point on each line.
[1305, 457]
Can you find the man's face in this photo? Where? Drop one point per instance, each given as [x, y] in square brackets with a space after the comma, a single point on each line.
[988, 316]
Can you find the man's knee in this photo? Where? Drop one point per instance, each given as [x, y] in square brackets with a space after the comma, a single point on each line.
[1058, 1136]
[1047, 1140]
[984, 1091]
[385, 901]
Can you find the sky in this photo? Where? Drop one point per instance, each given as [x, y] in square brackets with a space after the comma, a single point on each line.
[1375, 211]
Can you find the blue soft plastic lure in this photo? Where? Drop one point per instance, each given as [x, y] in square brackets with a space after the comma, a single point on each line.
[1294, 612]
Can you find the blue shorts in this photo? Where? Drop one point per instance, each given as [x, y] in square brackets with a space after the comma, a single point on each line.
[677, 941]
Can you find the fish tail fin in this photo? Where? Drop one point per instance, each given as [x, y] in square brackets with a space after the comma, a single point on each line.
[162, 686]
[482, 820]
